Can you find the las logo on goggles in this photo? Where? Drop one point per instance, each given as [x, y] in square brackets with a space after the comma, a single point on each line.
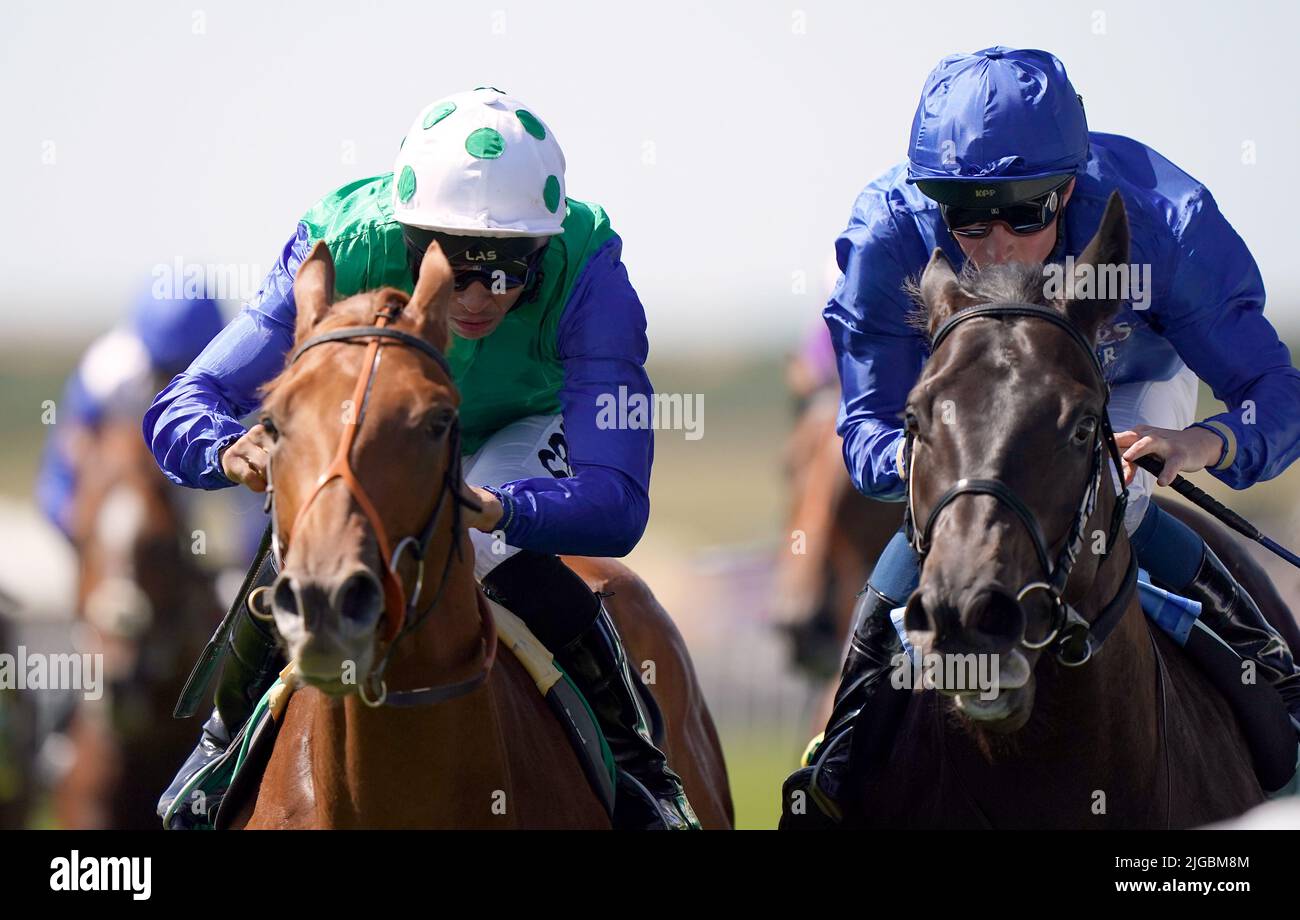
[499, 263]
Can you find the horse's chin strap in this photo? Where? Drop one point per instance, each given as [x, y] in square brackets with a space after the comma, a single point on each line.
[399, 606]
[1074, 638]
[428, 696]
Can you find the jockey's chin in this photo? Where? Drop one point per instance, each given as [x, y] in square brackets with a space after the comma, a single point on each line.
[476, 312]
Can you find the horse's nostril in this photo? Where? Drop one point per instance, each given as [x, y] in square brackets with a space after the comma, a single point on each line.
[996, 615]
[916, 618]
[360, 598]
[285, 598]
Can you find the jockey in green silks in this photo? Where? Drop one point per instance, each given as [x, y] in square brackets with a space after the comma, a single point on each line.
[544, 324]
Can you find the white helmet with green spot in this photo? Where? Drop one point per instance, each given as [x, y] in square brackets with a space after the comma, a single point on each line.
[480, 163]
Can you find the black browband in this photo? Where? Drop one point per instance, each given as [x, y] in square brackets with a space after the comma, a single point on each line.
[1004, 310]
[362, 333]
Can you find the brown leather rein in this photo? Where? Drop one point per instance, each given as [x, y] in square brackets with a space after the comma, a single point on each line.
[398, 605]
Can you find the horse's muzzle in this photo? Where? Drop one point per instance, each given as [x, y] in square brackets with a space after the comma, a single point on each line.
[980, 620]
[329, 625]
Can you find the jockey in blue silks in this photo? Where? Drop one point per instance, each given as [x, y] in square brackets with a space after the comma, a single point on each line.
[1002, 167]
[118, 374]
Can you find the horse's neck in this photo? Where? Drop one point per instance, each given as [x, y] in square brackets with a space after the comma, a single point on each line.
[433, 765]
[1100, 719]
[1090, 726]
[1108, 702]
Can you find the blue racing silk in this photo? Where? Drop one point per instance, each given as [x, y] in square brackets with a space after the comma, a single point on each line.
[1206, 308]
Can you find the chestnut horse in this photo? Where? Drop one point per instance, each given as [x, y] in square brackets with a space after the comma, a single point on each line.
[1133, 736]
[405, 715]
[836, 535]
[145, 605]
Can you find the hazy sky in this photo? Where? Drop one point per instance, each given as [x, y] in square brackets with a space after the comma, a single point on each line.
[727, 141]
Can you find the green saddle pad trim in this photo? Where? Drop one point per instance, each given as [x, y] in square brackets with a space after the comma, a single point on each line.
[260, 711]
[606, 755]
[217, 776]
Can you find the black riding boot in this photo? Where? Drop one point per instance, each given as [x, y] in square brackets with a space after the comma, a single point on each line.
[1230, 611]
[571, 621]
[252, 664]
[597, 663]
[861, 727]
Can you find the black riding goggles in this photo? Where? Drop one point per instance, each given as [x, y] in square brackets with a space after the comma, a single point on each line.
[500, 264]
[1022, 217]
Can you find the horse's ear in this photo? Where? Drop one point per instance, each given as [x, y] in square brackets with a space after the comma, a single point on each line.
[1087, 304]
[940, 291]
[313, 288]
[429, 303]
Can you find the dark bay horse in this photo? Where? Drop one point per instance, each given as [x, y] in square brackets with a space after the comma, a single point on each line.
[145, 604]
[1135, 736]
[406, 716]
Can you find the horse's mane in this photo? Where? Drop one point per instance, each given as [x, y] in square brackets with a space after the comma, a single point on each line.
[1013, 282]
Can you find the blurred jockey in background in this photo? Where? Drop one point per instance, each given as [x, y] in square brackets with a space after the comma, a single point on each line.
[116, 378]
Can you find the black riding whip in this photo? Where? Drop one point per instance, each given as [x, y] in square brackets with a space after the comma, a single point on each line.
[1206, 502]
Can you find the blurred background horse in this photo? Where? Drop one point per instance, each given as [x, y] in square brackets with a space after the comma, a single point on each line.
[147, 606]
[835, 533]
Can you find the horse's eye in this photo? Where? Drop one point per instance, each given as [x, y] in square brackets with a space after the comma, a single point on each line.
[269, 426]
[910, 422]
[439, 424]
[1086, 428]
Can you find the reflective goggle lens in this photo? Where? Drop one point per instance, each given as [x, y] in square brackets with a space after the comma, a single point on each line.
[500, 265]
[1023, 217]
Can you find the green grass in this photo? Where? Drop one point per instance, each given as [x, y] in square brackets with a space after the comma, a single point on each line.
[757, 765]
[27, 379]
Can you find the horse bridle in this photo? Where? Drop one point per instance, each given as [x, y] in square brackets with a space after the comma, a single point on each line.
[398, 605]
[1075, 639]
